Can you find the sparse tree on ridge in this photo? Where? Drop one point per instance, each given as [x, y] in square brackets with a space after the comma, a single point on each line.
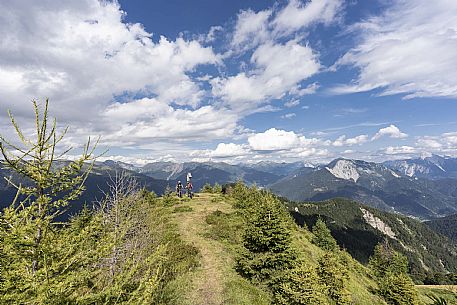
[390, 269]
[44, 189]
[323, 237]
[207, 188]
[217, 188]
[267, 241]
[333, 276]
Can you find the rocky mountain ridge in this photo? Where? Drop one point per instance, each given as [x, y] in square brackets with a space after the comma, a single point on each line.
[373, 184]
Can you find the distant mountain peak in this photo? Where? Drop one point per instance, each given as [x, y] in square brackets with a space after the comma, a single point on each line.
[344, 169]
[350, 169]
[429, 166]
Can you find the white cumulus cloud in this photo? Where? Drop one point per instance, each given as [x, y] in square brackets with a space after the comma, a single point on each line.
[279, 68]
[81, 53]
[228, 150]
[92, 64]
[251, 29]
[280, 63]
[391, 131]
[148, 119]
[343, 141]
[276, 139]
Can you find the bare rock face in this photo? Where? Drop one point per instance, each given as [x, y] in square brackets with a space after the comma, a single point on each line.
[377, 223]
[345, 169]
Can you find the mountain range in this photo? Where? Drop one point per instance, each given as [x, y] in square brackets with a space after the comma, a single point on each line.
[262, 173]
[425, 188]
[373, 184]
[158, 176]
[358, 221]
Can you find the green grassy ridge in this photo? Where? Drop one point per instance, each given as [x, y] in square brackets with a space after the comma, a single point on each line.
[168, 261]
[229, 228]
[199, 221]
[413, 238]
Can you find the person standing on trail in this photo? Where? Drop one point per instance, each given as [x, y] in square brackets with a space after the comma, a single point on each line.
[189, 185]
[179, 189]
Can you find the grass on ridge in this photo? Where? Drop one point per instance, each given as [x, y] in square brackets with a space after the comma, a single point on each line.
[215, 281]
[211, 224]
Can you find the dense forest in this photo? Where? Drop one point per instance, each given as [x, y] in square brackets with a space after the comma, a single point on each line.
[446, 225]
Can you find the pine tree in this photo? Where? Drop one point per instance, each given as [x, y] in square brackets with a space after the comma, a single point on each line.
[267, 241]
[207, 188]
[45, 188]
[333, 276]
[217, 188]
[245, 197]
[299, 286]
[323, 237]
[385, 259]
[390, 269]
[398, 289]
[149, 196]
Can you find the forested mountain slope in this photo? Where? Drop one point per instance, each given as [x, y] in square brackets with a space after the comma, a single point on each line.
[358, 228]
[446, 226]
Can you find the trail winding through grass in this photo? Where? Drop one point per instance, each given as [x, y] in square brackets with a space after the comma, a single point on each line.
[208, 280]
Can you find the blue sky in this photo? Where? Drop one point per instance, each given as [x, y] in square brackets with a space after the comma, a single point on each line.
[237, 81]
